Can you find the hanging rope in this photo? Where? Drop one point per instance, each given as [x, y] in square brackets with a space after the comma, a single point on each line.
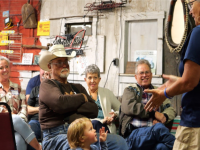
[188, 22]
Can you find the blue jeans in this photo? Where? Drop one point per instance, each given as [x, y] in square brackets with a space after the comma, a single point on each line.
[156, 137]
[56, 139]
[98, 125]
[23, 133]
[35, 126]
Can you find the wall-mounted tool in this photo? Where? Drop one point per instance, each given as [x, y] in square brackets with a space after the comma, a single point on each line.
[8, 23]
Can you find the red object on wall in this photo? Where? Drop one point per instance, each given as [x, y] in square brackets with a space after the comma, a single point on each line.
[29, 36]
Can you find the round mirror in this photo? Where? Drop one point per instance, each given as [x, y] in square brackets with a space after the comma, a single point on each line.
[179, 24]
[177, 30]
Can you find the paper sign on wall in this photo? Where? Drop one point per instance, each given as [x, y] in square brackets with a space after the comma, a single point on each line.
[3, 37]
[150, 55]
[82, 64]
[27, 58]
[43, 28]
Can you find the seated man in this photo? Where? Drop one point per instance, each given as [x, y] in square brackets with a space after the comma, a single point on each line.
[62, 102]
[33, 82]
[33, 107]
[143, 130]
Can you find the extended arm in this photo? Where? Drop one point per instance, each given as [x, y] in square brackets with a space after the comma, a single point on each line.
[183, 84]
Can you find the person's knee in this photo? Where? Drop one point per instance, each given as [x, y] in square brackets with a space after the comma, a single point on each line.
[96, 123]
[16, 119]
[160, 127]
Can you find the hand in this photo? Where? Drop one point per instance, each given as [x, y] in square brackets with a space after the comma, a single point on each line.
[107, 120]
[113, 115]
[156, 99]
[170, 80]
[102, 134]
[160, 117]
[155, 121]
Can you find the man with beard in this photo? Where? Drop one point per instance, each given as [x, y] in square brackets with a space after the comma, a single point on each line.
[62, 102]
[143, 130]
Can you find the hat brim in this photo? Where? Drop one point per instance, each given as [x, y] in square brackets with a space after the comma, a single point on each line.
[47, 56]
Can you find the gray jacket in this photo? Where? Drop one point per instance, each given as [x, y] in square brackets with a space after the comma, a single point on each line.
[132, 106]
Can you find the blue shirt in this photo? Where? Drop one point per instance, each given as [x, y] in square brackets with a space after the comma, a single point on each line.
[191, 100]
[100, 112]
[33, 82]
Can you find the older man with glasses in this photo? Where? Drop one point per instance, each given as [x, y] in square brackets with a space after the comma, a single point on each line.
[143, 130]
[62, 102]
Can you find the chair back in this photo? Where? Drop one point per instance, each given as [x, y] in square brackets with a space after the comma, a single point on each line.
[7, 137]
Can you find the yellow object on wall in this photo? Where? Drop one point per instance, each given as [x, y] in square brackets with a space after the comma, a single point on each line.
[3, 38]
[43, 28]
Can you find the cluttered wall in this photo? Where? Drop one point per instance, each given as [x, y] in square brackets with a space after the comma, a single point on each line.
[110, 28]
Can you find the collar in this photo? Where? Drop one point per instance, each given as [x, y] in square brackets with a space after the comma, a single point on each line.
[11, 85]
[150, 86]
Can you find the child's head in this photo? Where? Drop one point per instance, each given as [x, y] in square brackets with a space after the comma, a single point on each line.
[81, 131]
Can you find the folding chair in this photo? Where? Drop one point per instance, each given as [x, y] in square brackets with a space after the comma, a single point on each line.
[7, 137]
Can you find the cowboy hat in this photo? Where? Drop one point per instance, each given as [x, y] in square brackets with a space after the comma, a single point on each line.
[54, 52]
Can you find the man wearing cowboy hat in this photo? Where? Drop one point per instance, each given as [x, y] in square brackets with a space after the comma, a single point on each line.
[62, 102]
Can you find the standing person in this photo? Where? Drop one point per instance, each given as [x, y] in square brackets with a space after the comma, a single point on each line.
[33, 107]
[104, 98]
[188, 133]
[11, 94]
[143, 130]
[81, 135]
[62, 102]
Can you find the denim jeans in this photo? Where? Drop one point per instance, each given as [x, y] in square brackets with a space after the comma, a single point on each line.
[98, 125]
[56, 139]
[35, 126]
[156, 137]
[23, 133]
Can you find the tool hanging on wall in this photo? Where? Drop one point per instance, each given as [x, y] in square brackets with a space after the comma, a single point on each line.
[37, 46]
[28, 16]
[8, 23]
[18, 23]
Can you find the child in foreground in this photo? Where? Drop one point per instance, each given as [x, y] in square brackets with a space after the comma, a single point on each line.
[81, 135]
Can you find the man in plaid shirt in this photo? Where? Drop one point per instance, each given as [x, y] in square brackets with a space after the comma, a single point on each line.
[144, 130]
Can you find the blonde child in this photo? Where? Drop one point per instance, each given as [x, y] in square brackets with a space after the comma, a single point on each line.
[81, 135]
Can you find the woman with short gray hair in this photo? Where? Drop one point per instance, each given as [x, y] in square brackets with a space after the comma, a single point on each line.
[108, 105]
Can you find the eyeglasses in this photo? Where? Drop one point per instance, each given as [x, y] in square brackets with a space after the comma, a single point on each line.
[61, 63]
[190, 4]
[146, 73]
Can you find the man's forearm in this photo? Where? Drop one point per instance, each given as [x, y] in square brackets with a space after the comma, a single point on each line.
[32, 110]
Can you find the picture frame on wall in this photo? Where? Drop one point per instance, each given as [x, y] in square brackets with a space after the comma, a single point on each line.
[36, 59]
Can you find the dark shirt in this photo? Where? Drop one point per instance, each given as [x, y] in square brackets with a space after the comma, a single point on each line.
[33, 82]
[54, 107]
[34, 101]
[190, 100]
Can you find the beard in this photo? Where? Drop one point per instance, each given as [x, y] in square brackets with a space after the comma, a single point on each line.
[64, 75]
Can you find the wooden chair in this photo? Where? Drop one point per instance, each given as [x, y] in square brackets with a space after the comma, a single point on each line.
[7, 137]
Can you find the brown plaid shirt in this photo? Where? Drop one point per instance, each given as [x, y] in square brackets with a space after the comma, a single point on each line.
[15, 99]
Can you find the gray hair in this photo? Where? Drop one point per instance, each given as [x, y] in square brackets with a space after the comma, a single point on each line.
[92, 69]
[5, 58]
[142, 61]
